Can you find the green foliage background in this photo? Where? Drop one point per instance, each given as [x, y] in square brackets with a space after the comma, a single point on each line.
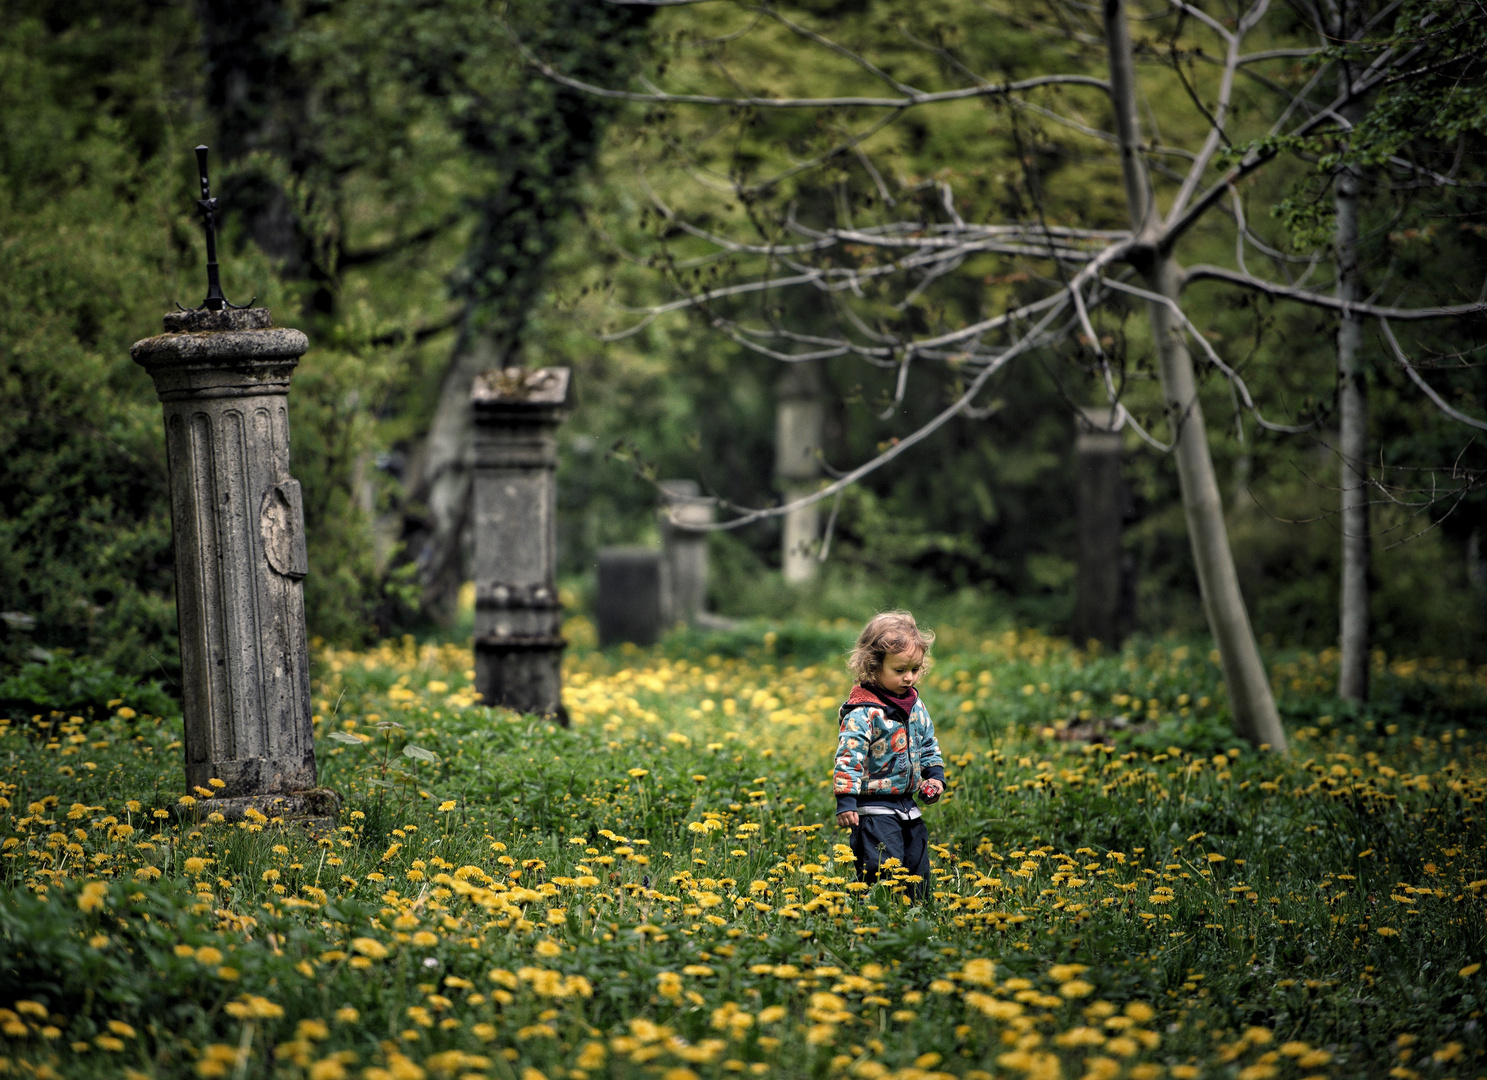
[102, 102]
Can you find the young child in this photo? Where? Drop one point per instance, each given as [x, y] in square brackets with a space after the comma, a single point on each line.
[887, 751]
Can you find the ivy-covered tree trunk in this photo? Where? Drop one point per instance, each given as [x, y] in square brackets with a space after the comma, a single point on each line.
[539, 142]
[254, 92]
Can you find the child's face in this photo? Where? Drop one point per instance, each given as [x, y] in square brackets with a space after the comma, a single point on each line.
[900, 671]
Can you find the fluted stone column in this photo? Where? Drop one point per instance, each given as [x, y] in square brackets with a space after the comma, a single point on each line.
[518, 619]
[1098, 582]
[684, 551]
[238, 520]
[800, 418]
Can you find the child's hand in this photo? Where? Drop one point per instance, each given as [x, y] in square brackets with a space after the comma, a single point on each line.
[847, 819]
[931, 789]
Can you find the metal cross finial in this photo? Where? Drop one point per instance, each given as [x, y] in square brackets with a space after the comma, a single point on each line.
[214, 301]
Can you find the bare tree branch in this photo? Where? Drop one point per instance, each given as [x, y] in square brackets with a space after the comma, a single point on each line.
[1032, 339]
[1428, 390]
[907, 100]
[1194, 334]
[1316, 299]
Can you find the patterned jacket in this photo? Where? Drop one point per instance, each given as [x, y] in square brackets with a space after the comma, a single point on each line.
[883, 755]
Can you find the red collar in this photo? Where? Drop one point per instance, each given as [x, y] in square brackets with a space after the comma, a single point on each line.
[860, 695]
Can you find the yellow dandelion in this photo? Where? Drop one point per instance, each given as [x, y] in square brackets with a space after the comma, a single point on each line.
[369, 947]
[1062, 973]
[313, 1030]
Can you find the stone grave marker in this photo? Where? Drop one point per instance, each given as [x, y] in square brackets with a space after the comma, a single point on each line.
[631, 602]
[222, 375]
[684, 585]
[1101, 494]
[518, 618]
[800, 418]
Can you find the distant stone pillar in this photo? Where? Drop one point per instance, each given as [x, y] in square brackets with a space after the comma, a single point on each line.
[518, 619]
[238, 519]
[631, 597]
[1098, 600]
[684, 590]
[799, 425]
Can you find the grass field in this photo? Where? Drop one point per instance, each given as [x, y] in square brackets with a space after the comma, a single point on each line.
[660, 891]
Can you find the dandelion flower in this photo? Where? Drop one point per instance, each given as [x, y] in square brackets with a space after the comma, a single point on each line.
[91, 898]
[369, 947]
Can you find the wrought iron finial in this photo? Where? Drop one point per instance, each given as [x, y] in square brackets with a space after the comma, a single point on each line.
[214, 301]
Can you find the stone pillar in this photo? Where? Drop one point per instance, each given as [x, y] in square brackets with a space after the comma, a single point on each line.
[238, 519]
[799, 424]
[631, 595]
[684, 551]
[518, 619]
[1098, 600]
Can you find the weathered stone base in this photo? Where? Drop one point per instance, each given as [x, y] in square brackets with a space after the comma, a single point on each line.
[254, 774]
[524, 676]
[316, 809]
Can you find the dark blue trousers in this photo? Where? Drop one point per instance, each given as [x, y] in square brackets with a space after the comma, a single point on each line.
[884, 836]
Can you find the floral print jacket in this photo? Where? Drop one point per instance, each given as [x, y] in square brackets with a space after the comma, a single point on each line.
[883, 755]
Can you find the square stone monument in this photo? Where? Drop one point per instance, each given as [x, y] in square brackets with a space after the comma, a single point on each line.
[518, 619]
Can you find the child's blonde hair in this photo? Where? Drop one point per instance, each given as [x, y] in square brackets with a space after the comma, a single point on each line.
[890, 632]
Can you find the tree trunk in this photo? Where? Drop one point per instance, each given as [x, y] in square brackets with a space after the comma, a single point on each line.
[258, 100]
[541, 139]
[1250, 698]
[1353, 614]
[1101, 512]
[1353, 620]
[436, 532]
